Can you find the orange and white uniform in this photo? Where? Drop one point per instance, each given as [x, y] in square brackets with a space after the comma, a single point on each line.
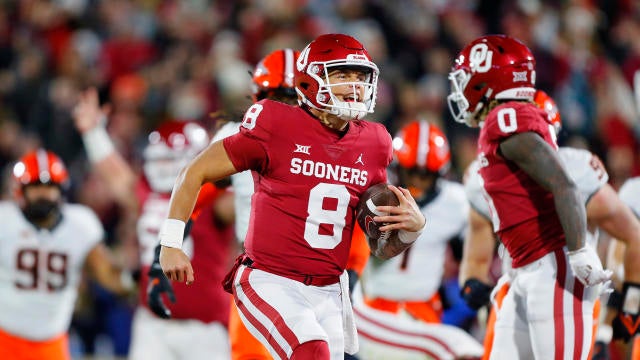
[39, 275]
[398, 313]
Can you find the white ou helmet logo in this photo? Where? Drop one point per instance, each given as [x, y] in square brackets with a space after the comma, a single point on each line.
[480, 58]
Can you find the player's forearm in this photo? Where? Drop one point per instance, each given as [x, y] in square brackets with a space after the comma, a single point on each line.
[184, 195]
[474, 267]
[109, 164]
[479, 246]
[620, 222]
[119, 178]
[390, 248]
[540, 161]
[572, 215]
[106, 273]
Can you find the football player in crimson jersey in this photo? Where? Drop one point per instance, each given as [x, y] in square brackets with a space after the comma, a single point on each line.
[45, 244]
[197, 328]
[272, 78]
[399, 313]
[310, 164]
[604, 210]
[536, 208]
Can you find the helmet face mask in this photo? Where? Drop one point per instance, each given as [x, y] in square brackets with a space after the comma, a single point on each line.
[492, 67]
[171, 146]
[458, 104]
[319, 60]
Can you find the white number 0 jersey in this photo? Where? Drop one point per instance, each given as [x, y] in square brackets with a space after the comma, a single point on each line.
[40, 269]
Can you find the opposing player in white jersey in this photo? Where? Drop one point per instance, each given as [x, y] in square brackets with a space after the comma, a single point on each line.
[173, 321]
[626, 323]
[45, 243]
[604, 210]
[399, 311]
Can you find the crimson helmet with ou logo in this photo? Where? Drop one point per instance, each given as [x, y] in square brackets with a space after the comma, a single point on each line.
[273, 76]
[323, 55]
[40, 167]
[171, 146]
[422, 145]
[490, 67]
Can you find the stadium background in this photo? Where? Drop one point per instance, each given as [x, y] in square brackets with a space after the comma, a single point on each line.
[154, 60]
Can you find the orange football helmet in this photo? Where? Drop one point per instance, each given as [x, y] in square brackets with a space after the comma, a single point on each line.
[40, 167]
[545, 102]
[273, 77]
[423, 146]
[36, 168]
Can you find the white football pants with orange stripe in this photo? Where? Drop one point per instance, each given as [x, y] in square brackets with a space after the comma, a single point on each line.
[398, 336]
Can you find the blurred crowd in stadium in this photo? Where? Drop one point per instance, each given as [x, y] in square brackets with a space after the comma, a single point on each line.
[190, 60]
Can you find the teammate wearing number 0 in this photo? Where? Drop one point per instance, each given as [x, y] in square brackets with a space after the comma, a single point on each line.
[536, 208]
[604, 210]
[291, 287]
[45, 244]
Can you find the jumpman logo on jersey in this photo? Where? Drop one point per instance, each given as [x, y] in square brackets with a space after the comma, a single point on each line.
[359, 160]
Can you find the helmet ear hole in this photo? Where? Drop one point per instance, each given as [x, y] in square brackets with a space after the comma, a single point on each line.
[480, 86]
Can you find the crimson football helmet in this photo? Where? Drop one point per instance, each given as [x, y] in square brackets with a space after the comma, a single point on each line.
[421, 145]
[545, 102]
[323, 55]
[171, 146]
[273, 76]
[490, 67]
[40, 167]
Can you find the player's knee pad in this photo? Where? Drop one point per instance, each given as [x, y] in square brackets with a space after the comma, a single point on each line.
[316, 349]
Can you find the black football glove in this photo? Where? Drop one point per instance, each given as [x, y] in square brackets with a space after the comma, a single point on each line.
[475, 293]
[159, 284]
[627, 323]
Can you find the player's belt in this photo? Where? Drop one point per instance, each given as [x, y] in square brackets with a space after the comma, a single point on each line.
[315, 280]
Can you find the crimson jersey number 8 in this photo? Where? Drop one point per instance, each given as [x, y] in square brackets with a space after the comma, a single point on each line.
[327, 207]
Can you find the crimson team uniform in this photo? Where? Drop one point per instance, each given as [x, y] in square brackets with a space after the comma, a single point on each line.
[302, 170]
[39, 274]
[589, 176]
[200, 314]
[546, 308]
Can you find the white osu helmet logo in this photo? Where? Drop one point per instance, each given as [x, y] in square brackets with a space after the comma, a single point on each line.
[480, 58]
